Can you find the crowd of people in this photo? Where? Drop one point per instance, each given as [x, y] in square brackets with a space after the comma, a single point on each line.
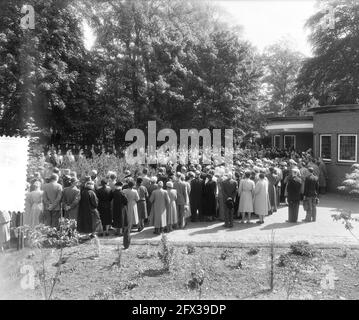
[167, 197]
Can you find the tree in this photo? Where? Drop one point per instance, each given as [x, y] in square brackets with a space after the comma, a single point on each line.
[281, 64]
[332, 74]
[46, 75]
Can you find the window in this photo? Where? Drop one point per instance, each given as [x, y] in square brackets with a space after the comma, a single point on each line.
[289, 142]
[276, 141]
[326, 147]
[347, 147]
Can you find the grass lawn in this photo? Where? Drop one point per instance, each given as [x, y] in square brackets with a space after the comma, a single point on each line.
[229, 273]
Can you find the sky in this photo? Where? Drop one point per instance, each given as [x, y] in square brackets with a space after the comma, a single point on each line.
[264, 21]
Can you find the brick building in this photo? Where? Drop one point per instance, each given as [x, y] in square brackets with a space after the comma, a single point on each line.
[332, 132]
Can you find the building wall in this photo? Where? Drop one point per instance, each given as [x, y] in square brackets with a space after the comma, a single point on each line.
[304, 140]
[334, 124]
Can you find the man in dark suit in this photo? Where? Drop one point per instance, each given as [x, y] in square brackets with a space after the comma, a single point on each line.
[195, 197]
[311, 190]
[293, 193]
[229, 190]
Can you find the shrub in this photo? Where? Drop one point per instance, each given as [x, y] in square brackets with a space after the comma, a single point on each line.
[190, 249]
[351, 183]
[42, 236]
[302, 248]
[166, 253]
[253, 251]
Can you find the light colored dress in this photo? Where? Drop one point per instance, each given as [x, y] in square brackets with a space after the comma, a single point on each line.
[172, 212]
[132, 198]
[261, 198]
[4, 227]
[160, 202]
[246, 192]
[34, 208]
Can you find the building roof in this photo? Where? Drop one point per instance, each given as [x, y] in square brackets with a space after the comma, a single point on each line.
[292, 118]
[335, 108]
[290, 124]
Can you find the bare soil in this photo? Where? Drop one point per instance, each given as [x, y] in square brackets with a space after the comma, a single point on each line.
[229, 273]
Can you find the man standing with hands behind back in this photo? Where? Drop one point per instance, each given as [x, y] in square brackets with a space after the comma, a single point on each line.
[52, 201]
[311, 190]
[293, 195]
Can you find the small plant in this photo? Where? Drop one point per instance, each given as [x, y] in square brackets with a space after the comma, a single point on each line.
[166, 253]
[117, 262]
[225, 254]
[196, 281]
[190, 249]
[302, 248]
[253, 251]
[105, 294]
[271, 255]
[347, 219]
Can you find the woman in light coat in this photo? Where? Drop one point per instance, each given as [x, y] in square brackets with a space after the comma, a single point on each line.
[5, 219]
[246, 192]
[172, 219]
[132, 198]
[261, 198]
[34, 206]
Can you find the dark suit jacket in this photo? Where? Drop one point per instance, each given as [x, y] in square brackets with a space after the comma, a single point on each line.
[293, 188]
[311, 186]
[229, 189]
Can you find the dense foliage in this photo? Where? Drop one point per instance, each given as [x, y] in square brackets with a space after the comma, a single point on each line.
[332, 74]
[169, 61]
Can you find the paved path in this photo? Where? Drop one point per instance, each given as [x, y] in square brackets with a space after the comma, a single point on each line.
[324, 231]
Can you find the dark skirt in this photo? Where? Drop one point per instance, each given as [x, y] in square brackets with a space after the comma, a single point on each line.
[105, 214]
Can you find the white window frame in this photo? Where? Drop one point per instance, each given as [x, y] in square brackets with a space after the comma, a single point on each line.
[356, 147]
[290, 135]
[274, 145]
[320, 146]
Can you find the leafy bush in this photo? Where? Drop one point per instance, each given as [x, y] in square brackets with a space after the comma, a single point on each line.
[166, 253]
[302, 248]
[253, 251]
[42, 236]
[351, 183]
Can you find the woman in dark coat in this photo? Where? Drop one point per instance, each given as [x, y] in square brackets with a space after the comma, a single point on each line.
[272, 189]
[209, 198]
[119, 208]
[104, 196]
[88, 219]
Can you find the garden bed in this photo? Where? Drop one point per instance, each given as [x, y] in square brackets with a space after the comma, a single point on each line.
[233, 273]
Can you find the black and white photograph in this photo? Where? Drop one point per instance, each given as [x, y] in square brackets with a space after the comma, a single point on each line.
[194, 151]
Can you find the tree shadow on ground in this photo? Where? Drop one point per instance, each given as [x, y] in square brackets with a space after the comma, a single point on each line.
[281, 225]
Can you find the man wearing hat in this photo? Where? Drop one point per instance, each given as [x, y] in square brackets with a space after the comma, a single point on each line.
[52, 201]
[71, 199]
